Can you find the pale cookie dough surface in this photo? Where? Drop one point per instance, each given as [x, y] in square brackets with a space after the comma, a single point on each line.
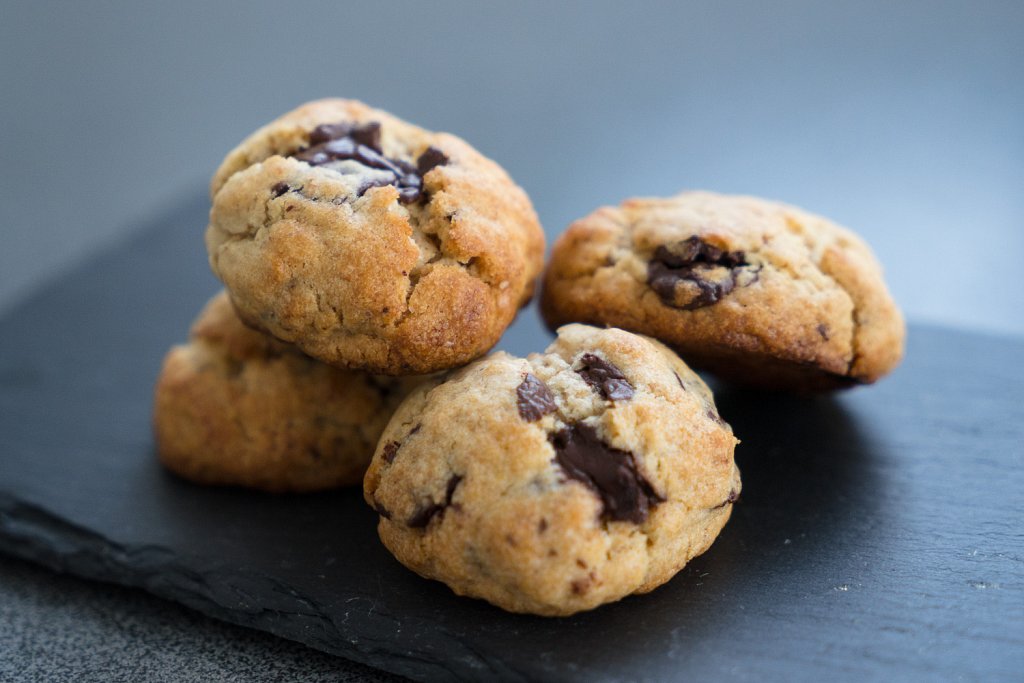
[755, 291]
[560, 482]
[371, 243]
[237, 407]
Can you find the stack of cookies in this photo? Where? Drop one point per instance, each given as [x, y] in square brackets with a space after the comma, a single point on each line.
[368, 265]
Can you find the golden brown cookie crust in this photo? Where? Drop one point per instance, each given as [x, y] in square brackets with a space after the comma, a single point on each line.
[466, 481]
[366, 281]
[236, 407]
[801, 303]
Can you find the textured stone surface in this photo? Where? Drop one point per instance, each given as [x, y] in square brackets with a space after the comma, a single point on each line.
[878, 534]
[60, 628]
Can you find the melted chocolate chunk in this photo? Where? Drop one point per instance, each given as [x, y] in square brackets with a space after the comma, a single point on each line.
[605, 378]
[333, 142]
[279, 189]
[422, 517]
[381, 510]
[710, 272]
[611, 473]
[534, 399]
[390, 451]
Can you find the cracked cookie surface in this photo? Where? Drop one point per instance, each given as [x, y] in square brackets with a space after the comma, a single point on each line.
[371, 243]
[559, 482]
[236, 407]
[752, 290]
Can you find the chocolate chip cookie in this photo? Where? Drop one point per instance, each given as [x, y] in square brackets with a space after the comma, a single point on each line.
[370, 243]
[235, 406]
[560, 482]
[755, 291]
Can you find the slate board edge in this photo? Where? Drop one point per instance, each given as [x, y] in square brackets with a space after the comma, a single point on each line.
[32, 533]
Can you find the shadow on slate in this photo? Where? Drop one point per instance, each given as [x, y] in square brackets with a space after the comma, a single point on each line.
[877, 532]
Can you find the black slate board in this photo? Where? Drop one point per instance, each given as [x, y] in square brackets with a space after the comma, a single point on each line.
[879, 533]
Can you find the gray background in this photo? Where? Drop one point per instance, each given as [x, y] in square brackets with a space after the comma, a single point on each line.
[903, 120]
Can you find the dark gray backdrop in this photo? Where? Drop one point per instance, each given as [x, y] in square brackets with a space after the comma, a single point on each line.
[904, 120]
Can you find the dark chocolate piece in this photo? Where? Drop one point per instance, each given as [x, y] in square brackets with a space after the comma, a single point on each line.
[611, 473]
[329, 131]
[679, 379]
[390, 451]
[368, 135]
[422, 517]
[279, 189]
[701, 264]
[431, 159]
[332, 142]
[534, 399]
[605, 378]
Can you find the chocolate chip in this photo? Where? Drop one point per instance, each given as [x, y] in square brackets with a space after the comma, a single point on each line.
[708, 272]
[823, 331]
[279, 189]
[534, 399]
[331, 142]
[731, 498]
[625, 494]
[381, 182]
[368, 135]
[381, 510]
[422, 517]
[390, 451]
[604, 377]
[679, 379]
[329, 131]
[431, 159]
